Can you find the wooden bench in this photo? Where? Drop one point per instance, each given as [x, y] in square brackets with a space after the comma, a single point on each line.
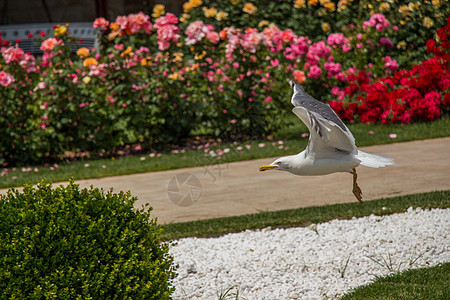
[82, 30]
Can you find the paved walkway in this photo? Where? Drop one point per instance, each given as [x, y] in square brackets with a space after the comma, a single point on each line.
[239, 188]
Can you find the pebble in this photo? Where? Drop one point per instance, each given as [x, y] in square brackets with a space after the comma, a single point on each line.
[300, 263]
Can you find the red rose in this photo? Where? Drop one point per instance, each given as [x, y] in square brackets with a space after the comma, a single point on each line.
[431, 44]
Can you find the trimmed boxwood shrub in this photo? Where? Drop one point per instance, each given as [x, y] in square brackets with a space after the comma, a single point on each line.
[67, 243]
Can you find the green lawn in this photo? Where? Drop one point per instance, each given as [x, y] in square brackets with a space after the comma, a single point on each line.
[304, 216]
[290, 134]
[427, 283]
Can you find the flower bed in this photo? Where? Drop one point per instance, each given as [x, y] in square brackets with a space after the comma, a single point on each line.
[150, 84]
[417, 20]
[408, 95]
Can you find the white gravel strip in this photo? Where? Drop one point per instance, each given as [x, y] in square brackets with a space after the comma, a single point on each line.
[309, 263]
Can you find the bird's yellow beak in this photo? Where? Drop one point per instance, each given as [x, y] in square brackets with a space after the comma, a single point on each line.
[266, 167]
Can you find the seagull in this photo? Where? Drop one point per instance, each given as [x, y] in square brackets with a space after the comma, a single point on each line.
[331, 146]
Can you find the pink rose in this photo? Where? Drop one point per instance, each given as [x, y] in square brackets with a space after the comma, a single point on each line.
[139, 21]
[49, 44]
[168, 19]
[390, 64]
[315, 72]
[13, 54]
[122, 21]
[6, 79]
[213, 37]
[251, 40]
[101, 23]
[195, 32]
[167, 34]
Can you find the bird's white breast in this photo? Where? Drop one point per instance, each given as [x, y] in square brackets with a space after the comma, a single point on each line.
[310, 166]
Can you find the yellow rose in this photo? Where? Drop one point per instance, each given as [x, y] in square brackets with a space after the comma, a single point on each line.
[184, 18]
[175, 76]
[436, 3]
[195, 3]
[221, 15]
[312, 2]
[210, 12]
[178, 56]
[321, 12]
[113, 34]
[427, 22]
[249, 8]
[144, 62]
[127, 51]
[83, 52]
[235, 2]
[299, 3]
[413, 6]
[86, 79]
[263, 23]
[404, 10]
[187, 7]
[326, 27]
[342, 5]
[90, 61]
[384, 6]
[330, 6]
[60, 30]
[401, 45]
[200, 56]
[158, 10]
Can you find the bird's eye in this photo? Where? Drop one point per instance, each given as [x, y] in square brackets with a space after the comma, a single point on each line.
[278, 162]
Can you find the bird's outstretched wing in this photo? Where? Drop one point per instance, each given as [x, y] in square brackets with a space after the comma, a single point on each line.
[327, 131]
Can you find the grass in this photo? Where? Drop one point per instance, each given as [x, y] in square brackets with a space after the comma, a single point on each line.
[290, 134]
[426, 283]
[304, 216]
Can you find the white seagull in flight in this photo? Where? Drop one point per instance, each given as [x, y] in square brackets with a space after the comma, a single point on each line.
[331, 147]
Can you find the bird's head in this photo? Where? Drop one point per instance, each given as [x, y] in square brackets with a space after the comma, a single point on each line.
[281, 164]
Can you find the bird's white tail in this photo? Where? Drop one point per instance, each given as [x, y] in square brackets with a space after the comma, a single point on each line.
[373, 160]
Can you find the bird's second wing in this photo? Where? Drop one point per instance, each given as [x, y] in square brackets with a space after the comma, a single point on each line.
[324, 134]
[326, 129]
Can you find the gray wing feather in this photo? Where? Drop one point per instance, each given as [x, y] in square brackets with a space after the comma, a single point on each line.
[326, 131]
[301, 98]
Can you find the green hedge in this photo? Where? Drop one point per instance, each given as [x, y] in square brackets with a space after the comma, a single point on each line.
[67, 243]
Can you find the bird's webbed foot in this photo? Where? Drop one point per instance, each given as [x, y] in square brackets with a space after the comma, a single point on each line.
[356, 189]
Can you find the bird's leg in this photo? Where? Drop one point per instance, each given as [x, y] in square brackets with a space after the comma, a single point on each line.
[356, 189]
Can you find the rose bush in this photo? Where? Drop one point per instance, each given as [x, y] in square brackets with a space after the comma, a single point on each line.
[20, 137]
[416, 20]
[408, 95]
[149, 84]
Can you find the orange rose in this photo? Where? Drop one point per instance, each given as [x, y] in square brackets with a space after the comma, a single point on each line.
[83, 52]
[90, 61]
[299, 76]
